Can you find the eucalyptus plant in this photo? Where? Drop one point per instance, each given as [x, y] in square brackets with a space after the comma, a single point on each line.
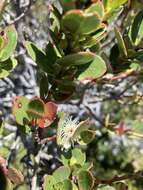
[73, 55]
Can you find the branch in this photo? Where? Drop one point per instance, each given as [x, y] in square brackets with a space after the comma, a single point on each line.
[119, 178]
[23, 14]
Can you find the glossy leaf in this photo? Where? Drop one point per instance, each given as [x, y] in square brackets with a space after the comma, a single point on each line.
[38, 56]
[136, 25]
[96, 8]
[78, 157]
[90, 23]
[61, 174]
[51, 54]
[85, 180]
[76, 59]
[94, 40]
[71, 20]
[20, 106]
[68, 4]
[74, 187]
[50, 110]
[7, 66]
[105, 187]
[8, 49]
[67, 185]
[43, 113]
[34, 52]
[44, 85]
[64, 88]
[111, 5]
[93, 70]
[3, 40]
[49, 181]
[82, 126]
[35, 108]
[76, 21]
[87, 136]
[120, 42]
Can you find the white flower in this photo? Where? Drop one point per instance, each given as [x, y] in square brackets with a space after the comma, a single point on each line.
[69, 130]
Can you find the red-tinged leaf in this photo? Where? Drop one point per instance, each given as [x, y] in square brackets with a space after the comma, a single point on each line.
[48, 117]
[50, 110]
[15, 176]
[3, 165]
[35, 108]
[121, 128]
[41, 123]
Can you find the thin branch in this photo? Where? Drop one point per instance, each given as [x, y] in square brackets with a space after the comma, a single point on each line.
[119, 178]
[23, 14]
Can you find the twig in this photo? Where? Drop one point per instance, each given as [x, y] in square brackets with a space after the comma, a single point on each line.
[119, 178]
[23, 14]
[94, 116]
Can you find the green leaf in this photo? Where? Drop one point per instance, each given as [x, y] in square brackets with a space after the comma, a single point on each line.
[7, 66]
[76, 21]
[136, 25]
[74, 187]
[87, 166]
[64, 160]
[82, 126]
[76, 59]
[1, 126]
[61, 174]
[105, 187]
[135, 66]
[87, 136]
[71, 20]
[111, 5]
[38, 56]
[44, 85]
[68, 4]
[85, 180]
[76, 168]
[96, 8]
[20, 106]
[55, 21]
[93, 70]
[78, 157]
[67, 185]
[9, 185]
[49, 181]
[120, 42]
[51, 53]
[90, 23]
[3, 41]
[8, 49]
[35, 108]
[35, 53]
[64, 88]
[58, 186]
[92, 41]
